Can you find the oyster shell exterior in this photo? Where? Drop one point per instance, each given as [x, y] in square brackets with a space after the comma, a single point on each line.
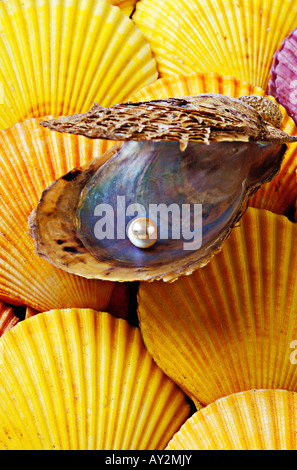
[60, 57]
[229, 326]
[205, 118]
[251, 420]
[283, 80]
[180, 152]
[231, 37]
[77, 379]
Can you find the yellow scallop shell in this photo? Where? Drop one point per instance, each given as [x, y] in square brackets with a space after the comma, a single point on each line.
[279, 194]
[59, 57]
[231, 325]
[126, 6]
[31, 158]
[251, 420]
[232, 37]
[81, 379]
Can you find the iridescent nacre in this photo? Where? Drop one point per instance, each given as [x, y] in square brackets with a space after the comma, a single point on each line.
[194, 196]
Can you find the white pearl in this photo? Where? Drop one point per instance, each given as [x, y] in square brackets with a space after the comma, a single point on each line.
[143, 232]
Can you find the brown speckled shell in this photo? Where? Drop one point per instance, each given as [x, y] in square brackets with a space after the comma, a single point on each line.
[208, 117]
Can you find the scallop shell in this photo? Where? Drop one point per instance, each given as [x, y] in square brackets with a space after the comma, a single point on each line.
[30, 159]
[67, 55]
[126, 6]
[277, 195]
[30, 312]
[81, 379]
[230, 326]
[7, 318]
[232, 37]
[283, 80]
[251, 420]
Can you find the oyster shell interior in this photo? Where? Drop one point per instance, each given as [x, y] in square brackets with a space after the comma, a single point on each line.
[189, 164]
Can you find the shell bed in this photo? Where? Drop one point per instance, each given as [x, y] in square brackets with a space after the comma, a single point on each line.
[209, 359]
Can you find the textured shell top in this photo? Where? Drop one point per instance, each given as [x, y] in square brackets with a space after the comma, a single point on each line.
[201, 118]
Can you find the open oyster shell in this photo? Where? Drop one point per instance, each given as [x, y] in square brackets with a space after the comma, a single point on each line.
[206, 150]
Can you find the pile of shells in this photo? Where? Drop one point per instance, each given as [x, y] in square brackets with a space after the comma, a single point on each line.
[113, 334]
